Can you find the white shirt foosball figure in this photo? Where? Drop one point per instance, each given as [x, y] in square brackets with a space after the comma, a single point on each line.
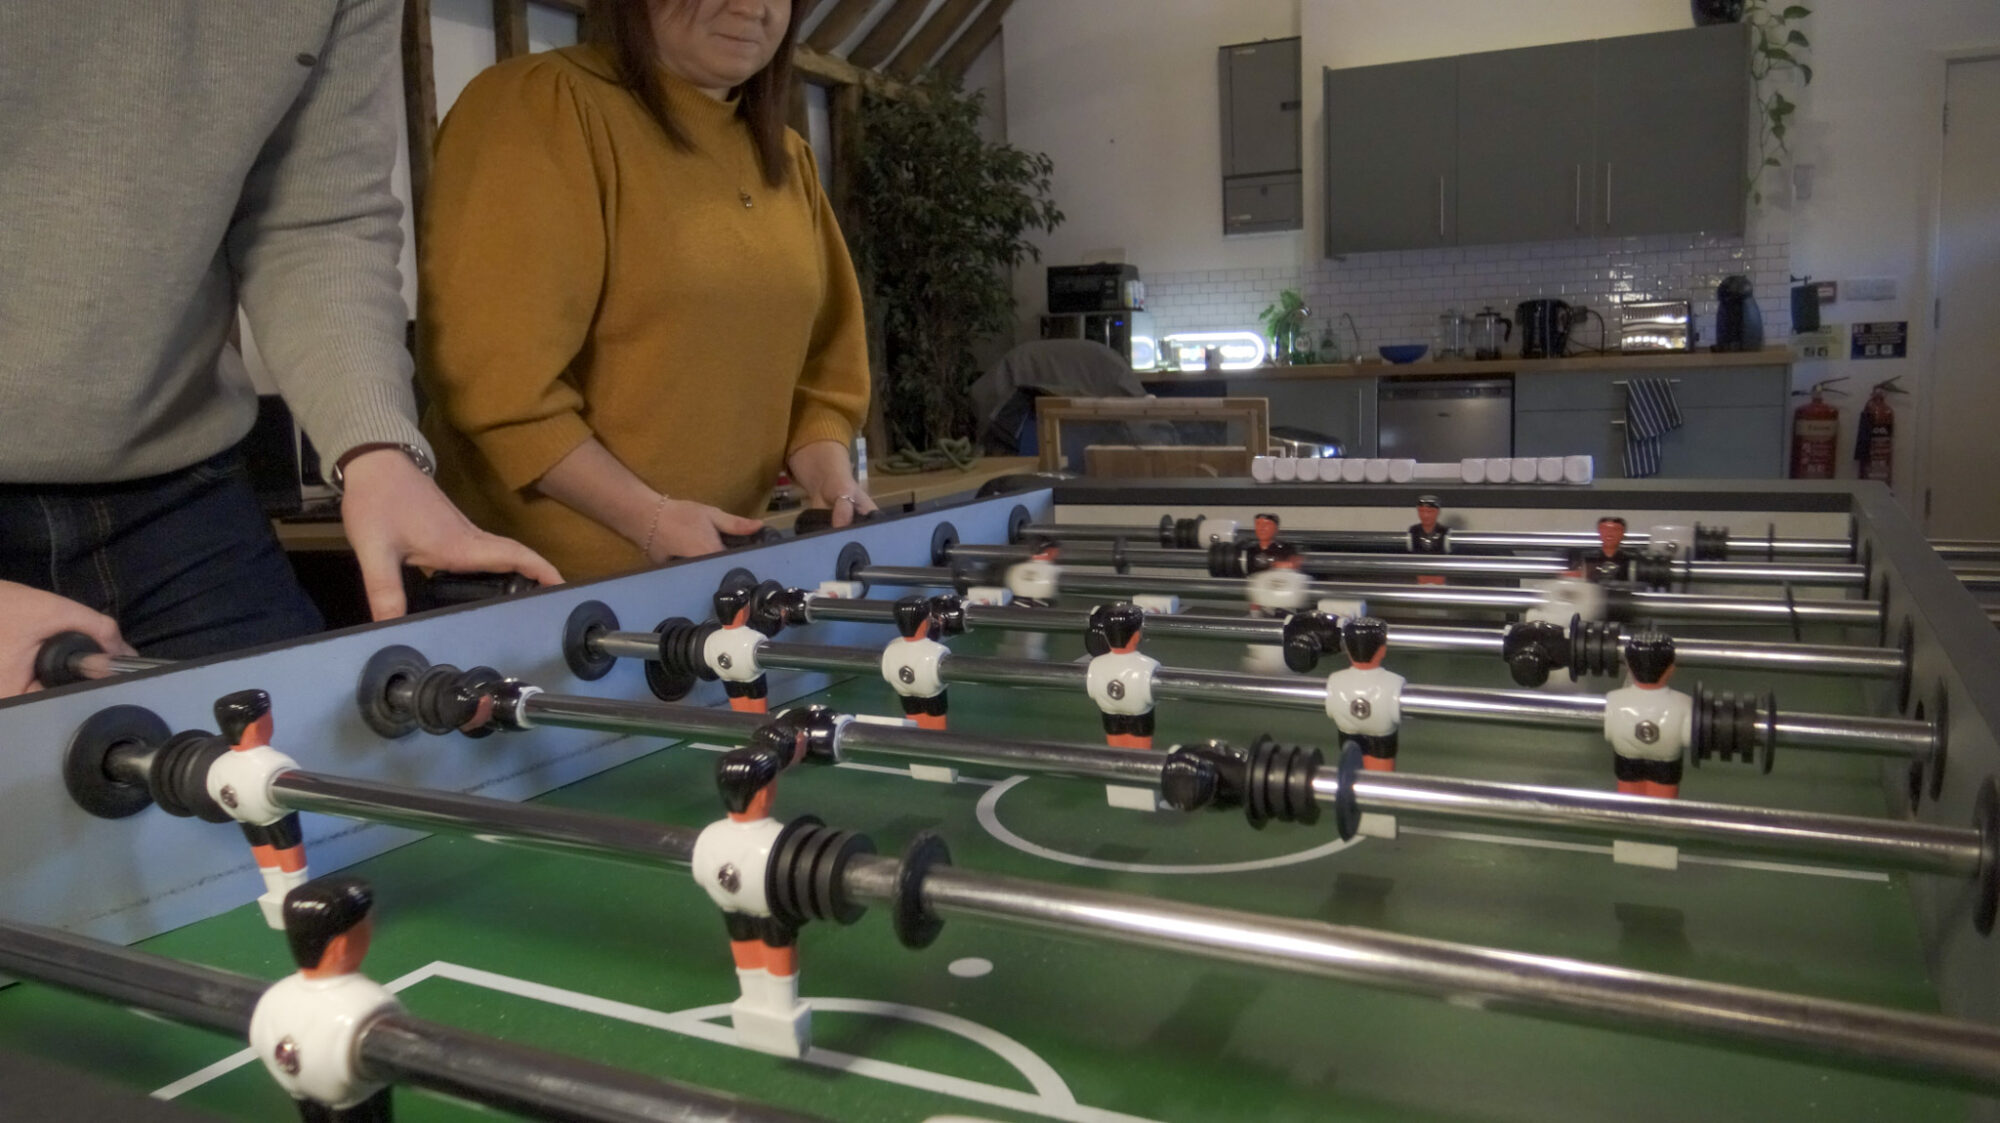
[307, 1031]
[1278, 590]
[1648, 723]
[1565, 598]
[912, 667]
[729, 863]
[732, 653]
[1035, 580]
[1365, 702]
[1122, 682]
[989, 596]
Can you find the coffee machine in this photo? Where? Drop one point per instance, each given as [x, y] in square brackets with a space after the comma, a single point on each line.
[1739, 323]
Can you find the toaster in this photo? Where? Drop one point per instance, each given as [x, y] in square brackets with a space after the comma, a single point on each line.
[1656, 325]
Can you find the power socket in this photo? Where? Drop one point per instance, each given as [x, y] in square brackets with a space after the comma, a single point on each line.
[1869, 288]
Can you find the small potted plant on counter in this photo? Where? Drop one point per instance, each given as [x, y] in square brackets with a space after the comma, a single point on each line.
[1285, 325]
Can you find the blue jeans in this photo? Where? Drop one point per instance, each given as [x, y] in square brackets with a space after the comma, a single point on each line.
[186, 562]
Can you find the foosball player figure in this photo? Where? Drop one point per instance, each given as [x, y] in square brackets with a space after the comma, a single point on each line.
[1647, 723]
[307, 1026]
[730, 860]
[1365, 700]
[911, 665]
[731, 651]
[1607, 562]
[1427, 537]
[1120, 680]
[241, 781]
[1269, 553]
[1036, 582]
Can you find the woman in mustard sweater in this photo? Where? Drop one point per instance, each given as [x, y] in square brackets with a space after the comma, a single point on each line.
[636, 306]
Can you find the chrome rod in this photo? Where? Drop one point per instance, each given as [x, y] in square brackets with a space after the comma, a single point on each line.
[1890, 737]
[1894, 1041]
[1462, 565]
[394, 1048]
[1555, 541]
[1966, 549]
[1874, 843]
[1642, 605]
[1888, 844]
[1868, 662]
[527, 825]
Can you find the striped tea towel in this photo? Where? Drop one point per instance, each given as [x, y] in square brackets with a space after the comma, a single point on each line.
[1650, 410]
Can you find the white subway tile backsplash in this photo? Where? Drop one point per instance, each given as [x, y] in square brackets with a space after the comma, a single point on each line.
[1396, 297]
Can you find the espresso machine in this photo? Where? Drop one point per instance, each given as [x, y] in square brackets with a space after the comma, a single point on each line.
[1739, 323]
[1545, 328]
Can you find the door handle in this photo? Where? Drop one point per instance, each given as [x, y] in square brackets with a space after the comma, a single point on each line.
[1578, 220]
[1440, 206]
[1607, 193]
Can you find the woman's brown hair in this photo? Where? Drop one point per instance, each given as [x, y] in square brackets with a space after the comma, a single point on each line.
[625, 29]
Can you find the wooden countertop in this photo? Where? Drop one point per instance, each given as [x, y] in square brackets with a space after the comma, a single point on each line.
[891, 493]
[1664, 360]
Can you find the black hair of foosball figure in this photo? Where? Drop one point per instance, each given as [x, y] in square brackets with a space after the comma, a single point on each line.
[741, 773]
[1363, 638]
[912, 613]
[1117, 625]
[1650, 655]
[947, 615]
[321, 911]
[236, 713]
[730, 601]
[1532, 650]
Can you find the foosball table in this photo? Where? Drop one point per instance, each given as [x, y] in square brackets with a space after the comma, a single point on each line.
[1094, 802]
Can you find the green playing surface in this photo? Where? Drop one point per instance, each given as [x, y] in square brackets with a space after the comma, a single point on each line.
[616, 964]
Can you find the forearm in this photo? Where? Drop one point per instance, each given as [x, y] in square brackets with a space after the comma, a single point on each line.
[596, 485]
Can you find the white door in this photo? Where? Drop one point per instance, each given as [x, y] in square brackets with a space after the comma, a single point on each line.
[1965, 397]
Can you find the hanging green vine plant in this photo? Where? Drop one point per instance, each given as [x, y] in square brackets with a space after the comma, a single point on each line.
[1779, 50]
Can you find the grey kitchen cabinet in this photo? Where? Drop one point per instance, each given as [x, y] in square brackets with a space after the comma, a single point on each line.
[1673, 118]
[1392, 156]
[1644, 134]
[1526, 148]
[1262, 185]
[1734, 421]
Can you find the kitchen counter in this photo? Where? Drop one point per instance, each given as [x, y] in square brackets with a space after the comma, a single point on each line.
[1661, 360]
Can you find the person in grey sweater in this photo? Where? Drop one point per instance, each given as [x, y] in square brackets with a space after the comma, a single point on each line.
[162, 164]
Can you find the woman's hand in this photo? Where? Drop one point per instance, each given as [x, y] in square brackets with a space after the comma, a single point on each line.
[822, 468]
[686, 529]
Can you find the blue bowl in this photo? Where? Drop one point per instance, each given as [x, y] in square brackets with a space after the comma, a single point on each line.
[1405, 352]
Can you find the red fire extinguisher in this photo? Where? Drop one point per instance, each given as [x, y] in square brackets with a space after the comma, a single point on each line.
[1815, 432]
[1875, 443]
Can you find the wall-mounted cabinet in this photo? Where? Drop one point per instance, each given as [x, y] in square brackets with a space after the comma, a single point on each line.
[1262, 181]
[1645, 134]
[1391, 164]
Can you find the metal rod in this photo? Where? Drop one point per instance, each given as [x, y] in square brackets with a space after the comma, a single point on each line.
[1874, 843]
[1867, 662]
[1449, 565]
[1921, 1045]
[527, 825]
[1888, 844]
[1555, 541]
[1966, 549]
[394, 1048]
[1890, 737]
[1645, 605]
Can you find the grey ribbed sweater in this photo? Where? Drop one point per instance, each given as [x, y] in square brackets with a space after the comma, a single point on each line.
[160, 162]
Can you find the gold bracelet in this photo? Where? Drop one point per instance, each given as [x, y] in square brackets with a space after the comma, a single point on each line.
[654, 529]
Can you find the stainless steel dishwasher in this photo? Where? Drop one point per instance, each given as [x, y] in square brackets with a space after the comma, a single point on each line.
[1444, 419]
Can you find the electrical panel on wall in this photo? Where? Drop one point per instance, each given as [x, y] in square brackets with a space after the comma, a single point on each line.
[1262, 184]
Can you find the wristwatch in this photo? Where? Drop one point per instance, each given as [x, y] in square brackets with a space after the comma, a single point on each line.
[417, 456]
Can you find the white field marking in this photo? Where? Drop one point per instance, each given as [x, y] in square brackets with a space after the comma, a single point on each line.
[1686, 859]
[1051, 1097]
[971, 967]
[856, 765]
[989, 817]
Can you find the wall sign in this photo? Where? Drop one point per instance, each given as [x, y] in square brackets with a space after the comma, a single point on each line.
[1886, 340]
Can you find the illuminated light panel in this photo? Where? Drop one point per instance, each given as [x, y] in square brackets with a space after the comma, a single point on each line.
[1241, 350]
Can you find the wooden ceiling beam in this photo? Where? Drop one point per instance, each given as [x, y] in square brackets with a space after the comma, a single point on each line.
[959, 57]
[887, 34]
[839, 24]
[510, 29]
[935, 33]
[828, 70]
[419, 98]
